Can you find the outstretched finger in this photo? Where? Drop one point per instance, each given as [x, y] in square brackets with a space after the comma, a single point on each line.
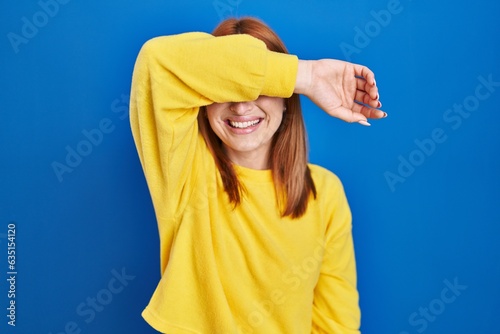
[363, 85]
[368, 112]
[364, 72]
[364, 98]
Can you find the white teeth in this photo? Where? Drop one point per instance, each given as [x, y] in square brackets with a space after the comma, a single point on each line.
[243, 125]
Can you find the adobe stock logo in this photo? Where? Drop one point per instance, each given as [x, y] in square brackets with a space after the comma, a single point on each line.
[291, 280]
[422, 318]
[454, 117]
[224, 8]
[31, 27]
[92, 138]
[364, 36]
[96, 303]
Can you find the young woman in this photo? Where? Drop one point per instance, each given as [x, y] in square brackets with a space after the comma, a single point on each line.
[253, 239]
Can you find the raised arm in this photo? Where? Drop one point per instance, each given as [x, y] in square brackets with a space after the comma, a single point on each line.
[173, 77]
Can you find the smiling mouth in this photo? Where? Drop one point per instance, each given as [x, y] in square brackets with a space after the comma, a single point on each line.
[243, 125]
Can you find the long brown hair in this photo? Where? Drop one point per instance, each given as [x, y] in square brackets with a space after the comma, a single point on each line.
[288, 156]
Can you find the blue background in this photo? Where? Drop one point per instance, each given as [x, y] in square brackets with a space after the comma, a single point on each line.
[72, 76]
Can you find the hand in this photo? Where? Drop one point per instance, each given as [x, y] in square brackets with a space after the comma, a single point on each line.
[343, 90]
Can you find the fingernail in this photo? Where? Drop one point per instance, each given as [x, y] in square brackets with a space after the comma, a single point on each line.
[374, 82]
[365, 123]
[385, 115]
[378, 96]
[379, 104]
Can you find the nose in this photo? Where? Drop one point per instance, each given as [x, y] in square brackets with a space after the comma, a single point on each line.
[240, 108]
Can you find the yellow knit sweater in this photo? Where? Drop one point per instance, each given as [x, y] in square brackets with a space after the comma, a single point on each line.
[225, 270]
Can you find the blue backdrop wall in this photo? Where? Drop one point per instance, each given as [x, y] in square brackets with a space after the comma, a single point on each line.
[423, 184]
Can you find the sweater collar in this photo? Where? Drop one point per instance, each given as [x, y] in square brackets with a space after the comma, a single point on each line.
[253, 175]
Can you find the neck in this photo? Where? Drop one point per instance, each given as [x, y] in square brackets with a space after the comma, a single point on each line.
[252, 159]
